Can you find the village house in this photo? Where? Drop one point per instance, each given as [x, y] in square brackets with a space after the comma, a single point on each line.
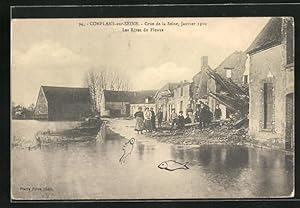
[62, 103]
[125, 103]
[162, 98]
[181, 98]
[183, 95]
[173, 96]
[271, 84]
[144, 99]
[233, 68]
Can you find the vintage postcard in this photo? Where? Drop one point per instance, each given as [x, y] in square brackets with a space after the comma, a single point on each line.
[152, 108]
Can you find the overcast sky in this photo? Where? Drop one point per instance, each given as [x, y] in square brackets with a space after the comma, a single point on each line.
[59, 52]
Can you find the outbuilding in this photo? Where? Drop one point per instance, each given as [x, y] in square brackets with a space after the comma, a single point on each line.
[62, 103]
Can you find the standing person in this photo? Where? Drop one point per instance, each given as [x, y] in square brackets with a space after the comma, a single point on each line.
[197, 114]
[208, 117]
[173, 118]
[159, 117]
[189, 109]
[148, 122]
[187, 120]
[180, 120]
[218, 112]
[191, 117]
[139, 117]
[153, 120]
[202, 116]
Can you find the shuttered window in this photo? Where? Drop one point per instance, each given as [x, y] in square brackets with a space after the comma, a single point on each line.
[245, 79]
[181, 105]
[268, 105]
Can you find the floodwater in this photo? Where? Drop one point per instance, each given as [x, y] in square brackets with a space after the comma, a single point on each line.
[91, 170]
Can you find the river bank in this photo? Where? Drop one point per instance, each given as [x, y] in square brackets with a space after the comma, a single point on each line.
[34, 133]
[194, 136]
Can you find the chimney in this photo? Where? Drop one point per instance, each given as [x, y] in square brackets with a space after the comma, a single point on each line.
[204, 61]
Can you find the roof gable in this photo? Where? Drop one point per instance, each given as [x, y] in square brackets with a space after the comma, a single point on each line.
[271, 35]
[237, 62]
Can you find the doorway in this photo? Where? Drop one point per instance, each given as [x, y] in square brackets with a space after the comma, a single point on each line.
[127, 106]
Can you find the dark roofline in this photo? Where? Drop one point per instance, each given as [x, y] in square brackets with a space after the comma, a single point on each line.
[128, 96]
[256, 47]
[49, 90]
[130, 91]
[118, 91]
[57, 87]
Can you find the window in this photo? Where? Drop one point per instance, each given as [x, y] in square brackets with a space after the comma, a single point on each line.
[290, 42]
[228, 73]
[181, 105]
[246, 79]
[268, 105]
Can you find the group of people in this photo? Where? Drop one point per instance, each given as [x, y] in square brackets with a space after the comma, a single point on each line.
[203, 115]
[147, 120]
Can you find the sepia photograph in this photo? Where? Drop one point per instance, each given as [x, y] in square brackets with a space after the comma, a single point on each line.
[152, 108]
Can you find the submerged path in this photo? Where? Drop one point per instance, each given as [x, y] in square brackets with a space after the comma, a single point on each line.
[125, 128]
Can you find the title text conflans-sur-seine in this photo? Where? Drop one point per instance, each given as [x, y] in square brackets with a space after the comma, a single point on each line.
[129, 23]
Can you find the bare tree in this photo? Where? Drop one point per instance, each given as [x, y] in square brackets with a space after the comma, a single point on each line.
[104, 78]
[92, 82]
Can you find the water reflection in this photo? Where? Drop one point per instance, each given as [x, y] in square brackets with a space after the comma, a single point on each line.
[221, 164]
[141, 150]
[91, 170]
[271, 172]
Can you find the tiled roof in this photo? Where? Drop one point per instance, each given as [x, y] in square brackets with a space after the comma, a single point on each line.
[236, 61]
[134, 97]
[118, 96]
[270, 36]
[140, 96]
[66, 94]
